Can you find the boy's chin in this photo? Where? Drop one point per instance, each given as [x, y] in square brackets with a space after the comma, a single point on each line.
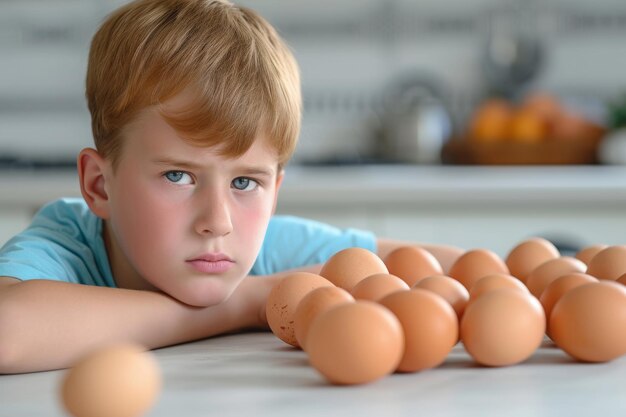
[204, 294]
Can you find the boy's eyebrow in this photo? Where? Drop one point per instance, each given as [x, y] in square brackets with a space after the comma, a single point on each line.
[250, 170]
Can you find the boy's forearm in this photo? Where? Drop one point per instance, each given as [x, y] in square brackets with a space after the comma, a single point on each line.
[47, 324]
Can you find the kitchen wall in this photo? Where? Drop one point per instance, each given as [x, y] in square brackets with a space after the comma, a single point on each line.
[351, 55]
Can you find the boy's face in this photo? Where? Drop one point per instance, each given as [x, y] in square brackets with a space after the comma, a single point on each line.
[182, 218]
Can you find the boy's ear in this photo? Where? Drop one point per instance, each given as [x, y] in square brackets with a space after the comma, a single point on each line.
[91, 174]
[279, 182]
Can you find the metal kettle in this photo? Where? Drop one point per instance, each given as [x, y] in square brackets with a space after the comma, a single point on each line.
[416, 123]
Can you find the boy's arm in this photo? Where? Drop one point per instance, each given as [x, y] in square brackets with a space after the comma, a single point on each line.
[47, 324]
[445, 254]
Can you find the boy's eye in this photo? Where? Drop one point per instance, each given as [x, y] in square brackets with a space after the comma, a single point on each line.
[244, 184]
[178, 177]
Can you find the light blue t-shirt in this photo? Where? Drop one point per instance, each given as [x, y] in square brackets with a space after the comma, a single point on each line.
[64, 243]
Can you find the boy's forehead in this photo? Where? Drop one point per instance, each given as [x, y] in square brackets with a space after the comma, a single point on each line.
[150, 133]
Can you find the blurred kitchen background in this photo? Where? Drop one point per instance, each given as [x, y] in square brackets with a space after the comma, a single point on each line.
[413, 90]
[383, 80]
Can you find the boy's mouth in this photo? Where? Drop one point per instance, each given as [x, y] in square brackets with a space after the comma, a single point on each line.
[211, 263]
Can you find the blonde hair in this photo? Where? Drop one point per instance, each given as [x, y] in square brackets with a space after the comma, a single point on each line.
[244, 78]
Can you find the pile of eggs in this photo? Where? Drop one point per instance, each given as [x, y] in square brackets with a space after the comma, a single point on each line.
[364, 317]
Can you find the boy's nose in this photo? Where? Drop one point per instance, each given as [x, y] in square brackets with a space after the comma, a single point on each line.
[214, 219]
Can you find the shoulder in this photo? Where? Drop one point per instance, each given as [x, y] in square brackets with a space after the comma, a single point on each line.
[64, 209]
[286, 224]
[66, 217]
[307, 229]
[295, 242]
[62, 242]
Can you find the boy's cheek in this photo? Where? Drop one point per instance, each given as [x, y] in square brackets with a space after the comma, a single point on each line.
[258, 220]
[252, 229]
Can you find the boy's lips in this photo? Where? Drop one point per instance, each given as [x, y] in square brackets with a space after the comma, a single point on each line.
[211, 263]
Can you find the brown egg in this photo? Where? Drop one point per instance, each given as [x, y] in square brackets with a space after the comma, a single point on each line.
[493, 282]
[349, 266]
[503, 327]
[557, 288]
[283, 300]
[315, 303]
[449, 288]
[528, 255]
[377, 286]
[622, 279]
[431, 327]
[116, 381]
[548, 271]
[588, 322]
[609, 263]
[475, 264]
[585, 254]
[412, 263]
[355, 343]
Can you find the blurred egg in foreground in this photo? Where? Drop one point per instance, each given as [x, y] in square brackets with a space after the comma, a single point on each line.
[115, 381]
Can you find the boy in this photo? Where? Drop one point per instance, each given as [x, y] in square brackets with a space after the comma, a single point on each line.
[195, 109]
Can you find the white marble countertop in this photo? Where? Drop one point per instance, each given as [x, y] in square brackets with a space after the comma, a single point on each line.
[256, 374]
[379, 184]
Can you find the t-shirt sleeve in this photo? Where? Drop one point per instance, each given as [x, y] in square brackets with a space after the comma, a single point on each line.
[32, 256]
[293, 242]
[55, 246]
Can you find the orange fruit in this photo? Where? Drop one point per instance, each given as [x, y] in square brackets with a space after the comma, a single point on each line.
[544, 105]
[527, 126]
[490, 121]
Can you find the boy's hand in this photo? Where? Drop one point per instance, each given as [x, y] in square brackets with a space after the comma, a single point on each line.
[252, 293]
